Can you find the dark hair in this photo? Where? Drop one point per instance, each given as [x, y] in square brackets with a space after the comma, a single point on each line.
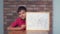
[21, 8]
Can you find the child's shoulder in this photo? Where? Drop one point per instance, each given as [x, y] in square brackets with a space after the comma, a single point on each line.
[18, 18]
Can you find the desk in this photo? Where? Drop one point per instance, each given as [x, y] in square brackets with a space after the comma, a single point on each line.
[16, 32]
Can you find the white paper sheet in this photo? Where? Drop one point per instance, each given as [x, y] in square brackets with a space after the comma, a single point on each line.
[37, 21]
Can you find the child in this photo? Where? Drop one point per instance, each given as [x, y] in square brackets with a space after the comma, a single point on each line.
[20, 23]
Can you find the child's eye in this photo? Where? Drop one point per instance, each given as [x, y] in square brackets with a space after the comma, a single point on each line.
[23, 12]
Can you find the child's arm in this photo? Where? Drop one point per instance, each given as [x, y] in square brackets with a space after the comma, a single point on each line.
[17, 28]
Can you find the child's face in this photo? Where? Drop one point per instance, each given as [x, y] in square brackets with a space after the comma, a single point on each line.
[22, 14]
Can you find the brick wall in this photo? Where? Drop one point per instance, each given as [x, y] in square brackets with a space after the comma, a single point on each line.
[10, 8]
